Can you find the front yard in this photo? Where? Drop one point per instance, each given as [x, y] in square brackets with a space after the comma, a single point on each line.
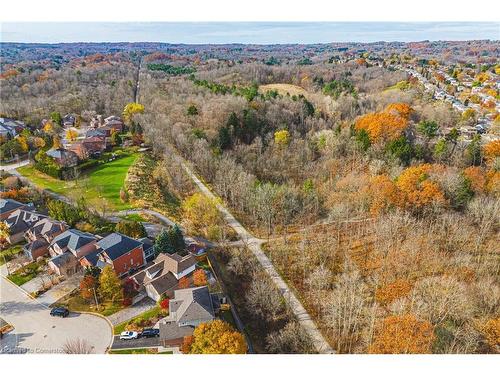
[10, 253]
[75, 302]
[26, 273]
[146, 319]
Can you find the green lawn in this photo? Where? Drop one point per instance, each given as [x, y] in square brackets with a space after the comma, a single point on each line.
[25, 274]
[134, 217]
[9, 253]
[103, 182]
[152, 313]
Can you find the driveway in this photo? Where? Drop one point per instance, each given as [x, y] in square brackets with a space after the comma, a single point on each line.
[130, 312]
[35, 331]
[143, 342]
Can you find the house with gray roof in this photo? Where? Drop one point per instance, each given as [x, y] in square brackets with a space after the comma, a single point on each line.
[122, 253]
[162, 277]
[19, 222]
[63, 157]
[40, 235]
[68, 248]
[8, 206]
[189, 308]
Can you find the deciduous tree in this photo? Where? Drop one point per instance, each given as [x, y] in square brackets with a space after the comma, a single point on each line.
[217, 337]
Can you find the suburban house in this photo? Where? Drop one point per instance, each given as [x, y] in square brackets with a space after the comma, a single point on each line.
[189, 308]
[19, 222]
[9, 128]
[63, 157]
[122, 253]
[162, 277]
[69, 120]
[8, 206]
[95, 133]
[40, 235]
[88, 147]
[114, 122]
[68, 248]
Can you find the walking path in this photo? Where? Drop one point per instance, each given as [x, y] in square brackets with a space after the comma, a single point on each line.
[254, 244]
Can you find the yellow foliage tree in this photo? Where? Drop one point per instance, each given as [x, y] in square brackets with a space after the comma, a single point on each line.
[130, 110]
[23, 142]
[56, 142]
[217, 337]
[71, 135]
[400, 109]
[48, 127]
[403, 335]
[282, 137]
[201, 214]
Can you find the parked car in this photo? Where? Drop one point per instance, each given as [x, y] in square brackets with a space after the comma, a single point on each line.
[129, 335]
[63, 312]
[150, 332]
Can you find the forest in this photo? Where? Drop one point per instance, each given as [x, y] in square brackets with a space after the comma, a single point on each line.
[374, 207]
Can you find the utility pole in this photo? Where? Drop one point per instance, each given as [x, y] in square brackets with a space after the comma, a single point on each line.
[95, 297]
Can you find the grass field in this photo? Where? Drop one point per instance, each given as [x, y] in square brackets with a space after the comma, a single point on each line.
[105, 181]
[284, 88]
[25, 274]
[75, 302]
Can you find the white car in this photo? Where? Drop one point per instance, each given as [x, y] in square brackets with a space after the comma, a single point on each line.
[128, 335]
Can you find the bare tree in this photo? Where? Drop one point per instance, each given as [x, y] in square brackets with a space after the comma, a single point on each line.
[77, 346]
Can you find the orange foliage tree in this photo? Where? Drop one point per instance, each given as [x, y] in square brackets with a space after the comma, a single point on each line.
[491, 332]
[199, 278]
[385, 194]
[88, 286]
[184, 283]
[403, 335]
[389, 293]
[386, 125]
[477, 178]
[417, 189]
[492, 150]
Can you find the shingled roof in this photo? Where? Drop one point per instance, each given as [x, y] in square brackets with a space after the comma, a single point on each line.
[116, 244]
[73, 239]
[192, 304]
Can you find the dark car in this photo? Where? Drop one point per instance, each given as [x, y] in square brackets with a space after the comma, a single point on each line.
[59, 311]
[150, 332]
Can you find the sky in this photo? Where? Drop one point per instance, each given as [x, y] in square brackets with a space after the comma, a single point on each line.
[245, 32]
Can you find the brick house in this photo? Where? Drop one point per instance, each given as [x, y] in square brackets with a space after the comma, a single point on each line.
[63, 157]
[89, 147]
[162, 277]
[8, 206]
[40, 235]
[122, 253]
[19, 222]
[68, 248]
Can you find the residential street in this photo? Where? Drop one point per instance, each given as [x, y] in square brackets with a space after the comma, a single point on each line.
[35, 331]
[254, 244]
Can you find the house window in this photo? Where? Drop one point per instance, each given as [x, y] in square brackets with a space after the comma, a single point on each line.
[132, 261]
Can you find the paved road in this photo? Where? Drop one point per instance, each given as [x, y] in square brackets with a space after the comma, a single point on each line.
[143, 342]
[13, 166]
[254, 244]
[35, 331]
